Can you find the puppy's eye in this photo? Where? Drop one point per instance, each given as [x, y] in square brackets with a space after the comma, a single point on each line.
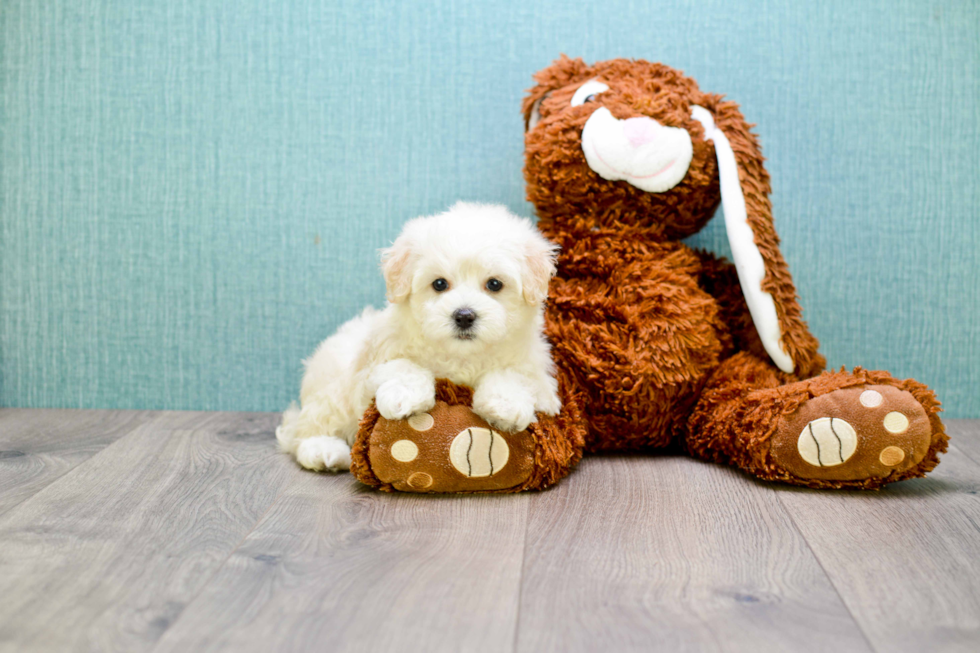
[440, 284]
[495, 285]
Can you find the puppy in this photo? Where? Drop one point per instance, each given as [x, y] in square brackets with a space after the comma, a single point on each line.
[465, 291]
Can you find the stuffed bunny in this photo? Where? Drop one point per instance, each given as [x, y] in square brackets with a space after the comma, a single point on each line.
[656, 343]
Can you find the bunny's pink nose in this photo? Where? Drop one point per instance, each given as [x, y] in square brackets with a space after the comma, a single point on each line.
[640, 131]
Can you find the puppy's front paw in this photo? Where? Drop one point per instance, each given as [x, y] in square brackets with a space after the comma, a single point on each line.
[396, 399]
[509, 412]
[323, 452]
[550, 405]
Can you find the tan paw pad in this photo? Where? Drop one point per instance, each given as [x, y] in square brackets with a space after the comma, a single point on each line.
[827, 441]
[895, 422]
[871, 398]
[404, 451]
[421, 422]
[420, 480]
[891, 456]
[478, 452]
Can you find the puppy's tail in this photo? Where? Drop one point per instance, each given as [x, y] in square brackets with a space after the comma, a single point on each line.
[286, 433]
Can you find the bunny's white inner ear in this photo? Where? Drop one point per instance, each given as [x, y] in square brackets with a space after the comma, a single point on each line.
[748, 261]
[535, 112]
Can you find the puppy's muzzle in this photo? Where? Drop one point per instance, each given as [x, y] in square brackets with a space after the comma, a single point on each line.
[464, 318]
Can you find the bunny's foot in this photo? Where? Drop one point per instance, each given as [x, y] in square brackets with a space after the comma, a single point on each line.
[449, 448]
[855, 433]
[859, 429]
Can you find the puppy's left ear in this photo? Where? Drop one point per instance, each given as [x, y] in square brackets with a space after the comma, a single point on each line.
[396, 266]
[540, 255]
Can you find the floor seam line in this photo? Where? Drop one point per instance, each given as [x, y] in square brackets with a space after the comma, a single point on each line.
[827, 575]
[520, 584]
[73, 468]
[963, 452]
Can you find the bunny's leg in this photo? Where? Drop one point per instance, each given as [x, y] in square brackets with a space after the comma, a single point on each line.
[858, 429]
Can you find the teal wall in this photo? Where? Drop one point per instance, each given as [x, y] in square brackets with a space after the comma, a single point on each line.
[193, 191]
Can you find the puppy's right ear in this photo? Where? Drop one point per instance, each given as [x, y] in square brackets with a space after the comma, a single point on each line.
[540, 256]
[396, 266]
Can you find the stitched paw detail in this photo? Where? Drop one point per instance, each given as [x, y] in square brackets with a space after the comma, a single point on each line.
[479, 452]
[853, 434]
[449, 449]
[827, 441]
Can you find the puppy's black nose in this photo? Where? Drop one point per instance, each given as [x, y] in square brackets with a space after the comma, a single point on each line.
[464, 317]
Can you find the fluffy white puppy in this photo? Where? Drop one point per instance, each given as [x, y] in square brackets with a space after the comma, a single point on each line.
[465, 291]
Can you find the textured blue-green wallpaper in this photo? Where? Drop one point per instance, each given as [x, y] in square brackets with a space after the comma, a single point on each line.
[192, 192]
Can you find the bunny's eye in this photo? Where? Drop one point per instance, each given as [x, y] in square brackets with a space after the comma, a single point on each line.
[587, 92]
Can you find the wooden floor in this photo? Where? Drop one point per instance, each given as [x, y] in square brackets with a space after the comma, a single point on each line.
[141, 531]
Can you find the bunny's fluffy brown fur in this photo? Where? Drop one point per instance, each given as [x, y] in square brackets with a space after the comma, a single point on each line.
[653, 340]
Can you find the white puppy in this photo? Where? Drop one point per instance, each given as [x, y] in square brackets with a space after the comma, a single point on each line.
[465, 291]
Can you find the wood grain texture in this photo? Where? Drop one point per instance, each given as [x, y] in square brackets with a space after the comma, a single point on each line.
[906, 560]
[338, 567]
[667, 553]
[108, 555]
[38, 447]
[192, 533]
[964, 436]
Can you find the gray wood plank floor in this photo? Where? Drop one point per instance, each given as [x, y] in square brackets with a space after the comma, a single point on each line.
[139, 531]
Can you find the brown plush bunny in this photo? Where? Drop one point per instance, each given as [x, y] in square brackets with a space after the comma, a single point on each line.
[657, 343]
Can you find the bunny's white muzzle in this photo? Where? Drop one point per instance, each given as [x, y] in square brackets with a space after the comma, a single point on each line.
[641, 151]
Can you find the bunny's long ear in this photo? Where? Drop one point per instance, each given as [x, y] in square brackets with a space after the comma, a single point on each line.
[762, 272]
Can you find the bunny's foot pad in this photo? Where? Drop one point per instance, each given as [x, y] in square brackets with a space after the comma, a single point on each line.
[451, 449]
[448, 449]
[856, 433]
